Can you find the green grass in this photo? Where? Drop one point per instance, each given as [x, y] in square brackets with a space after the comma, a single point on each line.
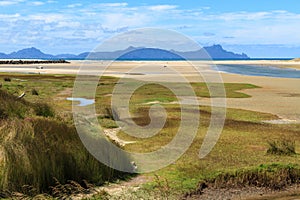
[46, 85]
[232, 90]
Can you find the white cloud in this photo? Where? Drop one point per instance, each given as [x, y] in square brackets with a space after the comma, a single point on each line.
[37, 3]
[46, 18]
[114, 4]
[119, 20]
[74, 5]
[11, 2]
[68, 24]
[242, 16]
[162, 7]
[13, 16]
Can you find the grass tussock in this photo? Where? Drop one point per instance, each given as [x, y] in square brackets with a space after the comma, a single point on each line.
[282, 147]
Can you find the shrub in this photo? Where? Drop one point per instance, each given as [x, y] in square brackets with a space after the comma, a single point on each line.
[283, 147]
[34, 92]
[7, 79]
[43, 109]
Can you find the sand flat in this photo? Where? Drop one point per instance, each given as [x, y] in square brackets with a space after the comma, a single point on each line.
[279, 96]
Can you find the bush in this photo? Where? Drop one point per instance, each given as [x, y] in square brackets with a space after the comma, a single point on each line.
[44, 110]
[34, 92]
[283, 147]
[7, 79]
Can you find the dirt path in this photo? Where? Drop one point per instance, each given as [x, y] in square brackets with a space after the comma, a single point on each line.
[112, 135]
[115, 189]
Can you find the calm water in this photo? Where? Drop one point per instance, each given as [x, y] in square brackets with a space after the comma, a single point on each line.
[82, 101]
[254, 70]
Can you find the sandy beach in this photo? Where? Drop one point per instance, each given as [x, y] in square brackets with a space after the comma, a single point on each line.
[279, 96]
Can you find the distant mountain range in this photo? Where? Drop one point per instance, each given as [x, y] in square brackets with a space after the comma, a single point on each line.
[131, 53]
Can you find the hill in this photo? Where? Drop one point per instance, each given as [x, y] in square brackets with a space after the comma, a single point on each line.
[131, 53]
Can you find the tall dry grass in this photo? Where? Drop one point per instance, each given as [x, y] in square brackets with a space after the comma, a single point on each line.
[38, 150]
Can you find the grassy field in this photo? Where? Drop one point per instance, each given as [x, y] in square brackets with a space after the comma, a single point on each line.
[242, 146]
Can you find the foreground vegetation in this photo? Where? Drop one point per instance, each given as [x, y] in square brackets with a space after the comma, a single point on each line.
[246, 153]
[41, 150]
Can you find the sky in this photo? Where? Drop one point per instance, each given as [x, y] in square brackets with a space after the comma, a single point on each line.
[269, 28]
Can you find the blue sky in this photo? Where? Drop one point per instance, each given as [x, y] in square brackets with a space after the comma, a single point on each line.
[269, 28]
